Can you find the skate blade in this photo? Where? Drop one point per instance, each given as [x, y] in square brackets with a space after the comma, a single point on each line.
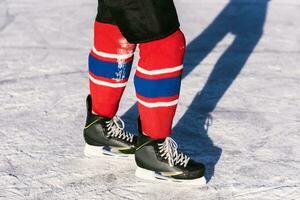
[153, 176]
[102, 151]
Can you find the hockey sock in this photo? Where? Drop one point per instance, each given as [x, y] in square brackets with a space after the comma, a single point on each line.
[110, 63]
[157, 83]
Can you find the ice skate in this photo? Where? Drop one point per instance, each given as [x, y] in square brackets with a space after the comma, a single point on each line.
[106, 136]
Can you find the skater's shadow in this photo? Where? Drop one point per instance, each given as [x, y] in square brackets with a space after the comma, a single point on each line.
[245, 21]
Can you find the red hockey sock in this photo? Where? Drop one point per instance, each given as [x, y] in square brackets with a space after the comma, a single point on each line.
[110, 63]
[157, 83]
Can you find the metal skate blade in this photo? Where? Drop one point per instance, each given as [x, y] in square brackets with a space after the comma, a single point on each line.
[104, 151]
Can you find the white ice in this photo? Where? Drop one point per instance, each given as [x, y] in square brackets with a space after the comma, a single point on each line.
[239, 112]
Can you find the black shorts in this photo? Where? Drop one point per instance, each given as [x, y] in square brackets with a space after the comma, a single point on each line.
[140, 20]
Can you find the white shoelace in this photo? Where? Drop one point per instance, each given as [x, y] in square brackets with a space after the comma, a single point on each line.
[116, 127]
[168, 150]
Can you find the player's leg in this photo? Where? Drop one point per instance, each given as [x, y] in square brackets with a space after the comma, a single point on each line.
[110, 62]
[157, 82]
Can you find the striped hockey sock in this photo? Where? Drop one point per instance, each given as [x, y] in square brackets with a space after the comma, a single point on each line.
[157, 83]
[110, 63]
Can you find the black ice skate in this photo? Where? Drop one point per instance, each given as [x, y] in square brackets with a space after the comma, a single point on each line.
[106, 136]
[160, 160]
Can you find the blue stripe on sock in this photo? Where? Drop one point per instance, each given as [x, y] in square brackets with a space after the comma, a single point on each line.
[157, 88]
[109, 69]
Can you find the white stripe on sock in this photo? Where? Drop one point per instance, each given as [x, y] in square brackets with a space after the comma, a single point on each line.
[104, 83]
[159, 71]
[109, 55]
[158, 104]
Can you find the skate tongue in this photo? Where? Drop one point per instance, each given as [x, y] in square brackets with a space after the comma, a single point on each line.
[160, 140]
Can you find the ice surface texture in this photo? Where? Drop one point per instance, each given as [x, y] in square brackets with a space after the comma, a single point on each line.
[238, 113]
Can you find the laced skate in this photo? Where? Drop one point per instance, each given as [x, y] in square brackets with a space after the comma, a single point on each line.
[160, 160]
[169, 151]
[106, 136]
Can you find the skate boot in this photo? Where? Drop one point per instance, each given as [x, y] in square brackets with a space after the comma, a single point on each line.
[159, 160]
[106, 136]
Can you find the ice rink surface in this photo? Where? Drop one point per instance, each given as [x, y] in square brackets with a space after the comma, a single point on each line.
[239, 112]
